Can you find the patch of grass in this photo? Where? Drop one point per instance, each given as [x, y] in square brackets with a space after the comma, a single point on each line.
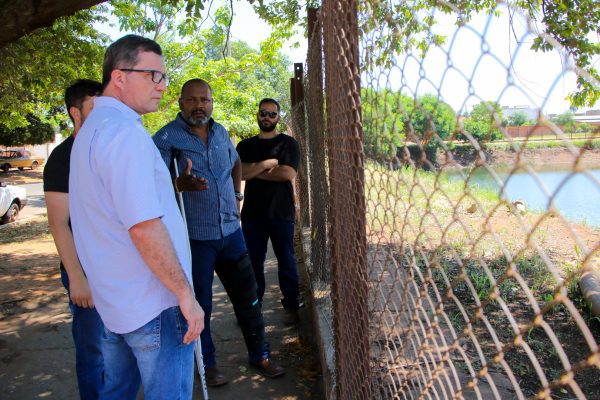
[463, 245]
[406, 197]
[36, 228]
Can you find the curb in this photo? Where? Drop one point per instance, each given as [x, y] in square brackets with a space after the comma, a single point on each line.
[321, 318]
[20, 221]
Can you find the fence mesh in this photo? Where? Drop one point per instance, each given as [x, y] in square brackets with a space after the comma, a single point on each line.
[446, 254]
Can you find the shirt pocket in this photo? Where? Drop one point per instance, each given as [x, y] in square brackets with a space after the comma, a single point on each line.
[221, 158]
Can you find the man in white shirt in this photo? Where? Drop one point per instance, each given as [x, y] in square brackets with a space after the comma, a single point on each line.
[129, 234]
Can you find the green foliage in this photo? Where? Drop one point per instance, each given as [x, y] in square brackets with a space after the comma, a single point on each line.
[565, 120]
[36, 132]
[390, 29]
[239, 75]
[48, 60]
[483, 123]
[584, 128]
[573, 24]
[430, 120]
[518, 119]
[39, 66]
[383, 114]
[391, 119]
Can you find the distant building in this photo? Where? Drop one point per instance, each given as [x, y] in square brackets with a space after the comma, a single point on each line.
[44, 150]
[532, 113]
[590, 117]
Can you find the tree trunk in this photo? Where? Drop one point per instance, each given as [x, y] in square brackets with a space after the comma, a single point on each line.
[24, 16]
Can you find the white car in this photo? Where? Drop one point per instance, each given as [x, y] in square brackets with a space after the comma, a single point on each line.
[12, 201]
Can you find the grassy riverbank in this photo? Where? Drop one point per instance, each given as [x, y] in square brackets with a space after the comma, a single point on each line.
[479, 251]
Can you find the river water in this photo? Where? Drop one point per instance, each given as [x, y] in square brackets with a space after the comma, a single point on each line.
[575, 195]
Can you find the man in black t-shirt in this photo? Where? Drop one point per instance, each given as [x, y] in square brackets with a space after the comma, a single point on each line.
[269, 164]
[87, 327]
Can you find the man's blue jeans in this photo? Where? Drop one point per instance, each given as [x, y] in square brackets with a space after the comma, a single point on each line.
[153, 355]
[205, 255]
[281, 233]
[87, 330]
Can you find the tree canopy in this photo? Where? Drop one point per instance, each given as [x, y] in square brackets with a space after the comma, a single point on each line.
[48, 60]
[43, 62]
[39, 66]
[518, 118]
[36, 132]
[484, 122]
[392, 119]
[240, 75]
[570, 23]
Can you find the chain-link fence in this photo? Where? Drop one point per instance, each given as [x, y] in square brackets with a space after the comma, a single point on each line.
[446, 257]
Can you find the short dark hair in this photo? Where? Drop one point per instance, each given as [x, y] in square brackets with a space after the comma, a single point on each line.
[195, 81]
[124, 53]
[78, 91]
[269, 100]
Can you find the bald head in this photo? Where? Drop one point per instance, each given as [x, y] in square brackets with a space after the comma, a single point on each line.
[195, 82]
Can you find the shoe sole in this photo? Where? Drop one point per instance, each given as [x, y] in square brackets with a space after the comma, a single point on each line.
[217, 384]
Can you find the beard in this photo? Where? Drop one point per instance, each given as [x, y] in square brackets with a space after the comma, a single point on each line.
[196, 121]
[267, 126]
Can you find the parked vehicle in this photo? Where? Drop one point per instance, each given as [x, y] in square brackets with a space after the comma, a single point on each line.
[12, 201]
[19, 159]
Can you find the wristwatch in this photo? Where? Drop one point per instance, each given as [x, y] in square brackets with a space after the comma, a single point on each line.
[239, 196]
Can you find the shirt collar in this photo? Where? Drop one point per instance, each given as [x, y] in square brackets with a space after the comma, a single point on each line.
[111, 102]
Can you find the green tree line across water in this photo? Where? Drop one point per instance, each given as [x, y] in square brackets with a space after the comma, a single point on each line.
[392, 120]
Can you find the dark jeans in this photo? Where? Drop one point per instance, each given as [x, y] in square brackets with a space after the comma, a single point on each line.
[281, 233]
[87, 329]
[206, 254]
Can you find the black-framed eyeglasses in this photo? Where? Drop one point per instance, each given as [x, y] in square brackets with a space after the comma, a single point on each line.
[157, 76]
[270, 114]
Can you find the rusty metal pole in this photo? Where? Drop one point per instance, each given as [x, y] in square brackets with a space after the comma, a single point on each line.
[319, 188]
[299, 118]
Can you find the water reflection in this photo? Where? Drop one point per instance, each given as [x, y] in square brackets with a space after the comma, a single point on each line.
[575, 195]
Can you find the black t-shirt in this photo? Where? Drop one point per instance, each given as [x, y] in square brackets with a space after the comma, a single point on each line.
[56, 171]
[267, 199]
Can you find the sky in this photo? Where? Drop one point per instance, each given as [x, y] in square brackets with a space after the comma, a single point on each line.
[486, 60]
[496, 59]
[246, 26]
[473, 65]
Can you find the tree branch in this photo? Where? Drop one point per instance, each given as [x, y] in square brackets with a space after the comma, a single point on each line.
[24, 16]
[225, 52]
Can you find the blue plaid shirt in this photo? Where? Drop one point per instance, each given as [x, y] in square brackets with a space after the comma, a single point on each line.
[212, 213]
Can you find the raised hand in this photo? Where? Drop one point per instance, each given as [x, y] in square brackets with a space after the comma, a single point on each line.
[187, 182]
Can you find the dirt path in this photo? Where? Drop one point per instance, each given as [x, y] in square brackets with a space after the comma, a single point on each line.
[34, 317]
[16, 177]
[36, 349]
